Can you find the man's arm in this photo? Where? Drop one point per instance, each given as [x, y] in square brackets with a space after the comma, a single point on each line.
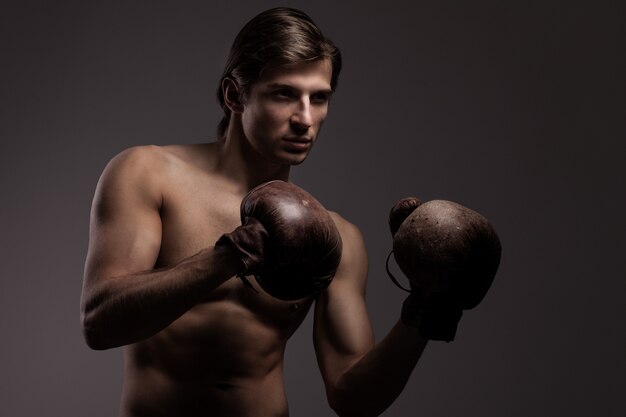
[362, 379]
[124, 299]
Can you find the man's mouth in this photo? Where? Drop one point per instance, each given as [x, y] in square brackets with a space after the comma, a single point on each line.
[298, 139]
[298, 143]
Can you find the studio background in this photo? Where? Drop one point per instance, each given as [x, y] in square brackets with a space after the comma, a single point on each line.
[515, 109]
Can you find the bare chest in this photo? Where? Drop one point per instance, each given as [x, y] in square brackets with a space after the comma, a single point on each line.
[195, 213]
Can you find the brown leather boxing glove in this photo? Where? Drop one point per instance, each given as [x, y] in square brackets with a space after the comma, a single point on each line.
[287, 240]
[450, 254]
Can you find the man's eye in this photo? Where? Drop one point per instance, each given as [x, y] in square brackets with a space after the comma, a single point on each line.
[284, 93]
[319, 98]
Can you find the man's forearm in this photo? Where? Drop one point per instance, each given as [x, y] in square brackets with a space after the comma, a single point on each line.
[369, 386]
[126, 309]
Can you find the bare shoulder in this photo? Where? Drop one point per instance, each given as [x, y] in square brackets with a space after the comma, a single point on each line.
[348, 231]
[151, 164]
[200, 155]
[354, 254]
[130, 177]
[137, 160]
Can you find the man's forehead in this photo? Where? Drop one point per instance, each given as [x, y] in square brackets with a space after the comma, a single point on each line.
[316, 74]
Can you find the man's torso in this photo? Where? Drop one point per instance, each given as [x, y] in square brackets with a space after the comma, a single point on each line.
[223, 356]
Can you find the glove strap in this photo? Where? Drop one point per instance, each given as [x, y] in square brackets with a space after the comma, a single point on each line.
[395, 281]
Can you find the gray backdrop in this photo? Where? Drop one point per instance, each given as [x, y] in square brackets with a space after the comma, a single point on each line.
[514, 109]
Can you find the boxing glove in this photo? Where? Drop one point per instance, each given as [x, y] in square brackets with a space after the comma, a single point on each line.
[287, 240]
[450, 255]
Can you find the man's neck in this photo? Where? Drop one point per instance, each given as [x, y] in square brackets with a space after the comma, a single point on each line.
[242, 164]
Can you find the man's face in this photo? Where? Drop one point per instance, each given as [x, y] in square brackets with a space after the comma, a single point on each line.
[285, 109]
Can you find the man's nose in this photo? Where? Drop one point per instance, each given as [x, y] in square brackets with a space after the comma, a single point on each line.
[302, 117]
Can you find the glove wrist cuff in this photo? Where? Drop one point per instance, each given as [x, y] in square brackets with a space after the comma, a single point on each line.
[434, 321]
[248, 242]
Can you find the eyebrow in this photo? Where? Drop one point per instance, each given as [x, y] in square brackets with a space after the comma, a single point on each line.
[273, 86]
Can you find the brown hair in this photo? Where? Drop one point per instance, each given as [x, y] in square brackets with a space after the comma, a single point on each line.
[277, 37]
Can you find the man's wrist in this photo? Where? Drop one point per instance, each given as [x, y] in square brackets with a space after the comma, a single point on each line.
[226, 260]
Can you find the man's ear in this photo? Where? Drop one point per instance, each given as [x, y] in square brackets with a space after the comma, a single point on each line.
[232, 95]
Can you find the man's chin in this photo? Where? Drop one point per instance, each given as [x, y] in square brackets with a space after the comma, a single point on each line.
[298, 161]
[294, 159]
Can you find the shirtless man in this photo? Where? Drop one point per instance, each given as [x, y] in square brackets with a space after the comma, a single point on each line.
[196, 340]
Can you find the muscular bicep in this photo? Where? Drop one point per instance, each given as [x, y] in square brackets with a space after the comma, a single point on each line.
[342, 328]
[125, 225]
